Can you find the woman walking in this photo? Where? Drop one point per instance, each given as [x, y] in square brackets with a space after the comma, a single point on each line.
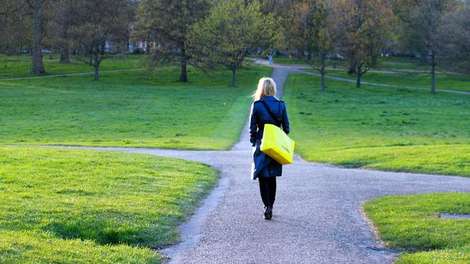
[266, 109]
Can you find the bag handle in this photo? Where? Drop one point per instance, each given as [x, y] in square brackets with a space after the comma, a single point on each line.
[273, 116]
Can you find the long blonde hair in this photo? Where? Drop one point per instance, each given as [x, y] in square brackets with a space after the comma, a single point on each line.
[266, 87]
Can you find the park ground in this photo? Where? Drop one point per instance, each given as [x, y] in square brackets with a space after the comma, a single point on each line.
[397, 129]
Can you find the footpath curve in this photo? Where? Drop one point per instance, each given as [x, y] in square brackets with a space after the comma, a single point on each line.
[317, 215]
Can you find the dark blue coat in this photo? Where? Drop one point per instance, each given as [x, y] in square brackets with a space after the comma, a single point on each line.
[263, 165]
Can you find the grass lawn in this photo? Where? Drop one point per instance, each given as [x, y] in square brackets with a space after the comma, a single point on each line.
[399, 72]
[288, 61]
[20, 66]
[420, 80]
[70, 206]
[412, 223]
[129, 109]
[381, 128]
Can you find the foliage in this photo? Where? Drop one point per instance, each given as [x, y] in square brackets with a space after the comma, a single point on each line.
[314, 32]
[412, 223]
[362, 27]
[59, 27]
[16, 26]
[97, 23]
[167, 23]
[226, 36]
[454, 34]
[422, 24]
[383, 128]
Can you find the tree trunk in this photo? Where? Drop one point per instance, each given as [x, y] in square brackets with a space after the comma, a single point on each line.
[38, 24]
[65, 54]
[358, 78]
[322, 72]
[433, 73]
[64, 47]
[375, 59]
[97, 72]
[352, 66]
[322, 81]
[234, 76]
[184, 66]
[96, 64]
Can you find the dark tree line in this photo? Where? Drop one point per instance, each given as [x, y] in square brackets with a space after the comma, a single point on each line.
[207, 33]
[83, 27]
[360, 31]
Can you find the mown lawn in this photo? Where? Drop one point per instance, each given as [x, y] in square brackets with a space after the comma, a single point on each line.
[381, 128]
[138, 108]
[398, 72]
[412, 223]
[71, 206]
[416, 80]
[20, 66]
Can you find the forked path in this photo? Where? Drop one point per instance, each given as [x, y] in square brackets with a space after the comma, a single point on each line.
[317, 215]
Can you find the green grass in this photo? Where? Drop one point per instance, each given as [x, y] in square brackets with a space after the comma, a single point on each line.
[33, 248]
[401, 63]
[381, 128]
[289, 61]
[20, 66]
[71, 206]
[419, 80]
[140, 109]
[399, 72]
[412, 223]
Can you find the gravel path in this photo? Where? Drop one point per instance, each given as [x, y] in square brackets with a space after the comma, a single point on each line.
[317, 215]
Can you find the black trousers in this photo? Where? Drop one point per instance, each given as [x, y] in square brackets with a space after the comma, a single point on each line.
[267, 187]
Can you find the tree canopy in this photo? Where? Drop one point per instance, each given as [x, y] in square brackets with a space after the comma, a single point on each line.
[167, 23]
[226, 36]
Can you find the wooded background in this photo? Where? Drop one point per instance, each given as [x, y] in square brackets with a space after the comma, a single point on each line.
[212, 33]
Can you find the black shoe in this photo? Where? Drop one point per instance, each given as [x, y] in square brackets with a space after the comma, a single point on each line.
[268, 213]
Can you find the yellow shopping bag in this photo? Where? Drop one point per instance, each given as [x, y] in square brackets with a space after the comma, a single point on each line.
[277, 144]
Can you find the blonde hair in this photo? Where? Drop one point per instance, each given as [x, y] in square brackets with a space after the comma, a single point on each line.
[266, 87]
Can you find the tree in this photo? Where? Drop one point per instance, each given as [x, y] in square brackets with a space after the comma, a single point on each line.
[229, 32]
[363, 27]
[427, 17]
[314, 33]
[37, 36]
[169, 22]
[421, 25]
[292, 30]
[60, 26]
[454, 39]
[96, 24]
[15, 29]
